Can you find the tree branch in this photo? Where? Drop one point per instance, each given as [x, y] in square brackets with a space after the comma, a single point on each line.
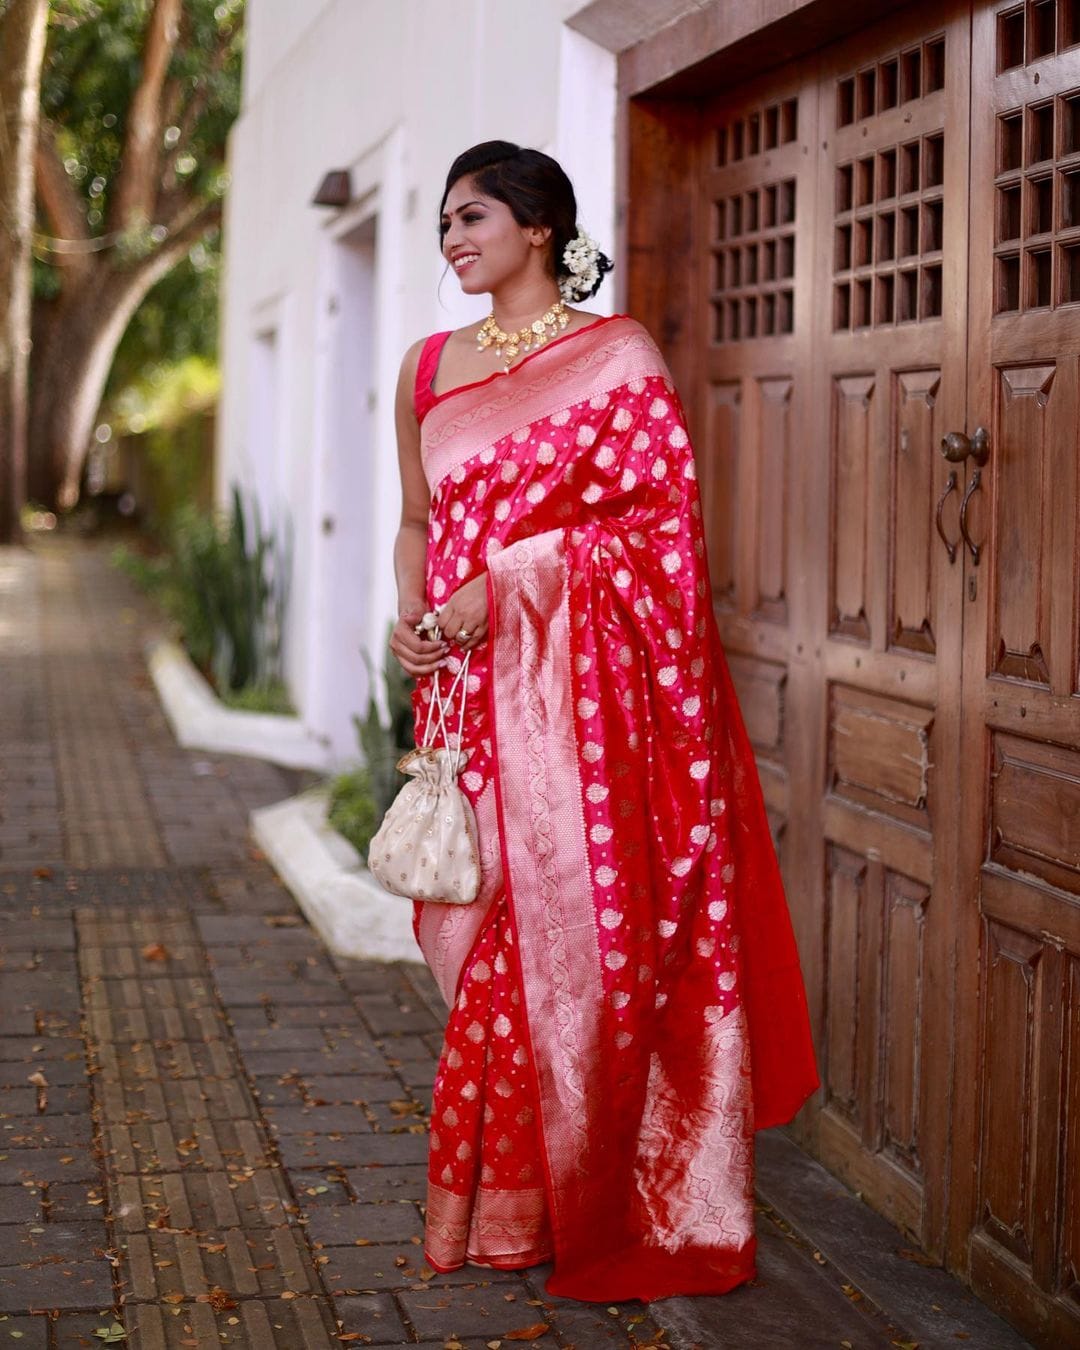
[136, 184]
[188, 228]
[196, 106]
[63, 205]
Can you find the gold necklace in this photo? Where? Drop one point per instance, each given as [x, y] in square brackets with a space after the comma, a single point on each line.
[535, 334]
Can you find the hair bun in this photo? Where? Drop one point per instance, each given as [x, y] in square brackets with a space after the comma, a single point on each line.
[583, 267]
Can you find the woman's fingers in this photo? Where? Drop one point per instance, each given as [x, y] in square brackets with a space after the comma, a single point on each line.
[416, 655]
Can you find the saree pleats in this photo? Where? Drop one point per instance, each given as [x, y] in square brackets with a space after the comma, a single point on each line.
[630, 1005]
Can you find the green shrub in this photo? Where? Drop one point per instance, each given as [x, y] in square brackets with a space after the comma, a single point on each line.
[366, 793]
[225, 583]
[230, 598]
[353, 812]
[272, 697]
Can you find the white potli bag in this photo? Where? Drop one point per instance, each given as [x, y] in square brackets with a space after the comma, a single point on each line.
[426, 846]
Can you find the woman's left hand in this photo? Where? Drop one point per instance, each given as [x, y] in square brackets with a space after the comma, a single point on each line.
[466, 609]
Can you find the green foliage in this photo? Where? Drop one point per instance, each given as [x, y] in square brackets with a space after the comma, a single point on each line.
[272, 697]
[361, 797]
[176, 324]
[168, 408]
[92, 67]
[353, 811]
[225, 582]
[93, 62]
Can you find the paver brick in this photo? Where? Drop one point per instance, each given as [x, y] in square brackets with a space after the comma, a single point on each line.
[345, 1088]
[65, 1132]
[299, 1324]
[156, 1266]
[185, 1202]
[350, 1225]
[155, 1099]
[373, 1183]
[316, 1119]
[442, 1310]
[20, 1204]
[175, 1145]
[57, 1242]
[59, 1072]
[56, 1284]
[63, 1100]
[32, 1333]
[375, 1317]
[351, 1150]
[73, 1202]
[18, 1165]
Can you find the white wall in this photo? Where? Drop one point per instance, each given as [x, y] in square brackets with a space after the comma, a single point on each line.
[391, 92]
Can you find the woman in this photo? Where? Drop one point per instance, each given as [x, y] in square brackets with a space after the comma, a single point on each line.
[625, 994]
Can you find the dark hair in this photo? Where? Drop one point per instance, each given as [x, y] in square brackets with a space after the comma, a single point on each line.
[535, 188]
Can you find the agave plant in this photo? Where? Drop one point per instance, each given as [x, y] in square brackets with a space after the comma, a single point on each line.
[230, 591]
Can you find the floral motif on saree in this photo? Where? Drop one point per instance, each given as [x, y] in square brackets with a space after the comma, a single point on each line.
[626, 1003]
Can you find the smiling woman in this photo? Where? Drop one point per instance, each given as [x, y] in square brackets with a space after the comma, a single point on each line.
[625, 994]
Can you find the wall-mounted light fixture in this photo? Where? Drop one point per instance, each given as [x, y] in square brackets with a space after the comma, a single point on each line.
[334, 190]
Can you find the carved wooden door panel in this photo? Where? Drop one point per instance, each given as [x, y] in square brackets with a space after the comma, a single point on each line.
[754, 216]
[1016, 1166]
[892, 169]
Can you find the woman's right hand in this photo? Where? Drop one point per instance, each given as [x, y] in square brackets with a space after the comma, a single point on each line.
[416, 655]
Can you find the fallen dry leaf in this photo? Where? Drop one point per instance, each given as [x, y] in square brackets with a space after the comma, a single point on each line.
[919, 1258]
[532, 1333]
[155, 951]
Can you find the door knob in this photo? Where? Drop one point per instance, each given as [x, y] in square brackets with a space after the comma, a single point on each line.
[980, 446]
[956, 446]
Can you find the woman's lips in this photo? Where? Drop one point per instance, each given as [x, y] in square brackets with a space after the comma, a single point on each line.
[463, 263]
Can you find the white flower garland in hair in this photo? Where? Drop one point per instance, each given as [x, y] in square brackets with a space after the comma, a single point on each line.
[580, 256]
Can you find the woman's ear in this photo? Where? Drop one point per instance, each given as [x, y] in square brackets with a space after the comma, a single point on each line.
[538, 235]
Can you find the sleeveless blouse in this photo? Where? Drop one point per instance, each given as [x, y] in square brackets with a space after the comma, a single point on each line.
[424, 397]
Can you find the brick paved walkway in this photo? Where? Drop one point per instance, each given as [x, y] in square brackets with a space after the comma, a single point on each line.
[213, 1132]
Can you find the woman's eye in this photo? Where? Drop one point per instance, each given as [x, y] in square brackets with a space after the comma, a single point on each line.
[471, 219]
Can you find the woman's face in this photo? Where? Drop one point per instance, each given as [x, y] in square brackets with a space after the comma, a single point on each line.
[483, 243]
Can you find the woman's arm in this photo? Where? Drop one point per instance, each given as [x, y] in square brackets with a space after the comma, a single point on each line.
[416, 655]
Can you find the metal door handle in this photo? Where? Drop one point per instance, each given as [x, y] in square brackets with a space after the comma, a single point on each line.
[976, 549]
[956, 446]
[950, 486]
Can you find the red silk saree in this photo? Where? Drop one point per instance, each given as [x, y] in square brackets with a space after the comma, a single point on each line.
[626, 1004]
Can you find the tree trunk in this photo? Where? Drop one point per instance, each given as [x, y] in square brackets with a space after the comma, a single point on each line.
[22, 49]
[78, 335]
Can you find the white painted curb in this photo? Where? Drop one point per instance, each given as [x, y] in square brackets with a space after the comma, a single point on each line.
[348, 908]
[201, 721]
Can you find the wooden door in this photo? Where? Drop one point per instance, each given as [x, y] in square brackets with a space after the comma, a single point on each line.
[864, 257]
[889, 381]
[1016, 1163]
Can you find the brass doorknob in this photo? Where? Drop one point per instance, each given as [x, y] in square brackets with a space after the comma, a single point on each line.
[956, 446]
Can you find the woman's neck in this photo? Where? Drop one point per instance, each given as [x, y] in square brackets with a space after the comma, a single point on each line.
[518, 303]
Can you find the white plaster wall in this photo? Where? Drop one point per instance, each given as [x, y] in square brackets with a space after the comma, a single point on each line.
[391, 92]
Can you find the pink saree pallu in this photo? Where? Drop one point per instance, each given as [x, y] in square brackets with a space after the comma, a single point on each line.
[626, 1003]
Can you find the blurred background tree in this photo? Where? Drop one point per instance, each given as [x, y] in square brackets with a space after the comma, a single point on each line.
[137, 97]
[22, 48]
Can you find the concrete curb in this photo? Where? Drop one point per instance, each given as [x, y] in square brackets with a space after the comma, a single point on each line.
[342, 901]
[200, 721]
